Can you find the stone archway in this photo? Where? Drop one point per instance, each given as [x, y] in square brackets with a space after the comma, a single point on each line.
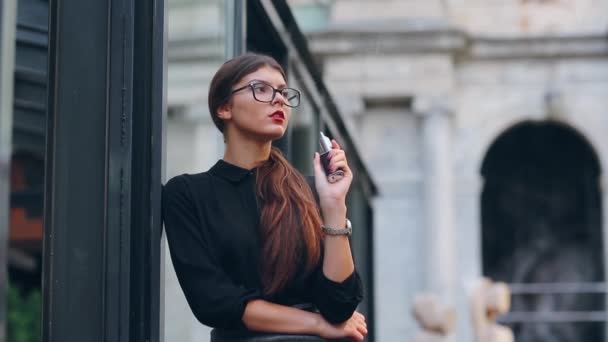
[541, 223]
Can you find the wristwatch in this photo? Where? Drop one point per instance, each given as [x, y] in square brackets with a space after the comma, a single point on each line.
[348, 231]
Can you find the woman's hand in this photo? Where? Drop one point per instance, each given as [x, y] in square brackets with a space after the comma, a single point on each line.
[354, 329]
[332, 195]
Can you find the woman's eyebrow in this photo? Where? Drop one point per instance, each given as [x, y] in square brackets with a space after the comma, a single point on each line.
[282, 85]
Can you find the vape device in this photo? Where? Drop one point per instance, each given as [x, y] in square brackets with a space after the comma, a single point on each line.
[325, 144]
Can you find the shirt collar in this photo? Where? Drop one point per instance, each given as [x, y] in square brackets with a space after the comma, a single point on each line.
[230, 172]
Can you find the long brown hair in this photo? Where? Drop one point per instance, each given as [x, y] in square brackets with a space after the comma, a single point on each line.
[290, 223]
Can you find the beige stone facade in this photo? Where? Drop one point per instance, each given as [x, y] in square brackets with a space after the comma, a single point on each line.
[428, 86]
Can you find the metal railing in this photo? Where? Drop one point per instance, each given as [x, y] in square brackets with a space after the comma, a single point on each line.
[552, 289]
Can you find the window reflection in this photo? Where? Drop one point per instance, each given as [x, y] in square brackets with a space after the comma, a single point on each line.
[24, 254]
[25, 248]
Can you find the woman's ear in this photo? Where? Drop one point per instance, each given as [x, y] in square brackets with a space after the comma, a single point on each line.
[225, 112]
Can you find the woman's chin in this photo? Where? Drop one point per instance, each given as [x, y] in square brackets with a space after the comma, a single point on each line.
[276, 137]
[275, 133]
[268, 133]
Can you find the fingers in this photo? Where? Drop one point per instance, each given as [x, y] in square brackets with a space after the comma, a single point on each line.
[335, 145]
[357, 336]
[338, 165]
[337, 160]
[361, 325]
[362, 330]
[360, 315]
[358, 322]
[361, 319]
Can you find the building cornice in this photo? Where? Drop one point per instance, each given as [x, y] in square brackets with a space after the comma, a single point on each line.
[357, 41]
[570, 46]
[385, 41]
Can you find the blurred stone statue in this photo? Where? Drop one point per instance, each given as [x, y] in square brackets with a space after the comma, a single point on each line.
[489, 300]
[435, 320]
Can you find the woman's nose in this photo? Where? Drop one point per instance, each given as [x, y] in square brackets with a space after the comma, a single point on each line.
[278, 97]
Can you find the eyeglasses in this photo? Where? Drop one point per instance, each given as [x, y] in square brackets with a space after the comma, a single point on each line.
[264, 92]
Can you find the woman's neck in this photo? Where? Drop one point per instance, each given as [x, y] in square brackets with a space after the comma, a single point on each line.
[247, 154]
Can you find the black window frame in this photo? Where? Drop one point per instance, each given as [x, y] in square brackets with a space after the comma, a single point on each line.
[102, 262]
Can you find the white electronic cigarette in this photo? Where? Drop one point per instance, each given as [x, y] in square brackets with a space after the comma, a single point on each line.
[325, 144]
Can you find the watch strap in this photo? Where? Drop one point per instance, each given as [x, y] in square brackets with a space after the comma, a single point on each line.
[348, 231]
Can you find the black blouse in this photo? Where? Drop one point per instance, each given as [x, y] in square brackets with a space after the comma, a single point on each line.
[211, 220]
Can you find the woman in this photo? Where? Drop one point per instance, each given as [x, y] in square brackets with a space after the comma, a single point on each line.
[246, 237]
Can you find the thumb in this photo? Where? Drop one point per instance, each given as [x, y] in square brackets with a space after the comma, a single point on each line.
[317, 168]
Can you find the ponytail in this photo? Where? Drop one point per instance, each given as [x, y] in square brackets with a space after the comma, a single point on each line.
[290, 223]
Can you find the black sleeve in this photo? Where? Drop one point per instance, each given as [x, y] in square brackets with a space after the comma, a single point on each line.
[336, 301]
[214, 299]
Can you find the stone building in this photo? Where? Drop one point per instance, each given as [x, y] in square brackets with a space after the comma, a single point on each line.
[484, 125]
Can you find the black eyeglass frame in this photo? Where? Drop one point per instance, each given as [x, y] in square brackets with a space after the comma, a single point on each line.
[274, 93]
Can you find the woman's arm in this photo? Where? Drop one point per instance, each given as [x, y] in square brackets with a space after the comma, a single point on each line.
[215, 299]
[261, 315]
[338, 262]
[337, 287]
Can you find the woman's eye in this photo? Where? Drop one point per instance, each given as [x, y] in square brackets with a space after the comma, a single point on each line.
[261, 88]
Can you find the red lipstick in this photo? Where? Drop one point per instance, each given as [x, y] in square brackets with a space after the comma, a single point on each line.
[278, 116]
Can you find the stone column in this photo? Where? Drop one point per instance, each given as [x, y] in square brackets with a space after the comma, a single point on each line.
[437, 156]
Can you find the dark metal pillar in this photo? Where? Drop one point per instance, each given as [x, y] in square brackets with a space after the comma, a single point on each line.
[101, 275]
[8, 25]
[149, 108]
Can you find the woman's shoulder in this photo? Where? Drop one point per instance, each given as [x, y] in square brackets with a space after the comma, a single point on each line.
[184, 182]
[186, 178]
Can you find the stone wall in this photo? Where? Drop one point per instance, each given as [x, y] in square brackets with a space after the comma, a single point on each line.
[487, 65]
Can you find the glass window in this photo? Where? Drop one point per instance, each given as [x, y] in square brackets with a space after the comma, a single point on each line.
[196, 49]
[304, 132]
[311, 15]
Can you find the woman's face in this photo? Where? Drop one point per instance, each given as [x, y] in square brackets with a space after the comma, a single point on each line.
[254, 119]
